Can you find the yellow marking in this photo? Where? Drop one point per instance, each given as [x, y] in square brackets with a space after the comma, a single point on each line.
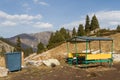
[98, 56]
[70, 55]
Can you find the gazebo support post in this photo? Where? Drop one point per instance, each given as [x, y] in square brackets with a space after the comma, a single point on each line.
[76, 54]
[111, 60]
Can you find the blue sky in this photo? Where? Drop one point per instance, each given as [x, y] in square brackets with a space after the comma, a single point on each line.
[31, 16]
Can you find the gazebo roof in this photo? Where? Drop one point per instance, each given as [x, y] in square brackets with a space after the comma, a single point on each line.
[85, 38]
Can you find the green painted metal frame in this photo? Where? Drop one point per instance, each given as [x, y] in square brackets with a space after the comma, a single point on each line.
[94, 61]
[67, 47]
[90, 61]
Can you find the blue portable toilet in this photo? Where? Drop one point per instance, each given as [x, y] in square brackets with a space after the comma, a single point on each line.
[13, 61]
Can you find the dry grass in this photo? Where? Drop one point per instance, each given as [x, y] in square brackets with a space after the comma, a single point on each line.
[2, 61]
[60, 52]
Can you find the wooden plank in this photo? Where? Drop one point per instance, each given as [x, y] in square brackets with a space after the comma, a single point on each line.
[98, 56]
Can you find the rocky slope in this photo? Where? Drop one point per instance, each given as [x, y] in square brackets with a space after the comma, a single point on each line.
[4, 47]
[61, 51]
[7, 47]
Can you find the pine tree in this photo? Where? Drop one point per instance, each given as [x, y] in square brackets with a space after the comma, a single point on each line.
[3, 51]
[64, 33]
[81, 31]
[14, 50]
[55, 40]
[74, 32]
[28, 51]
[51, 39]
[40, 48]
[118, 28]
[18, 45]
[51, 42]
[87, 25]
[68, 35]
[94, 23]
[58, 37]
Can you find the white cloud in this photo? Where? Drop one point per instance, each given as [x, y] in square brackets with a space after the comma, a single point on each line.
[42, 24]
[114, 23]
[73, 24]
[15, 17]
[44, 3]
[40, 2]
[26, 7]
[108, 15]
[107, 19]
[22, 19]
[35, 1]
[8, 23]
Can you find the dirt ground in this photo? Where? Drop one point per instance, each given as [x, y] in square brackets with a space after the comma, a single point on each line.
[66, 72]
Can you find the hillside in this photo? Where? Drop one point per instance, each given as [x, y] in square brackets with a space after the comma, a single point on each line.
[7, 47]
[42, 37]
[4, 47]
[61, 51]
[31, 40]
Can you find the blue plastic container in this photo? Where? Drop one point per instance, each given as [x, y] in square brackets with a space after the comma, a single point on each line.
[13, 61]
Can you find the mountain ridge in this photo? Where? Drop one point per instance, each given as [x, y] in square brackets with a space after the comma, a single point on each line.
[32, 39]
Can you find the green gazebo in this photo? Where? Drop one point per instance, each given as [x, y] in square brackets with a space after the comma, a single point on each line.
[87, 57]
